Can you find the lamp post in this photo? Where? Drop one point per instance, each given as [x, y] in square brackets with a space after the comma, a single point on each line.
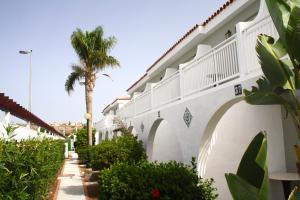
[30, 72]
[88, 117]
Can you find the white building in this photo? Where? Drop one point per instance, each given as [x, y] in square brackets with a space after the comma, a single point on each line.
[189, 103]
[105, 128]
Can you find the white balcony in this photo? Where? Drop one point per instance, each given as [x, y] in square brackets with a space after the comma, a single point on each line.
[218, 65]
[229, 60]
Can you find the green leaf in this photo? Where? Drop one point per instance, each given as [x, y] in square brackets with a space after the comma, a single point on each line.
[279, 49]
[280, 13]
[240, 189]
[295, 194]
[251, 180]
[253, 161]
[293, 30]
[23, 175]
[263, 94]
[270, 62]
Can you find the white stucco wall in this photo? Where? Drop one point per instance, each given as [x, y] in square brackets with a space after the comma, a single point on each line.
[232, 135]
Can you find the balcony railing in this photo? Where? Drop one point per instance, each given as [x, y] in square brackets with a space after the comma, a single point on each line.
[143, 102]
[167, 90]
[249, 38]
[216, 66]
[220, 64]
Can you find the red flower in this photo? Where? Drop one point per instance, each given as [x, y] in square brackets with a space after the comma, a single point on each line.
[155, 193]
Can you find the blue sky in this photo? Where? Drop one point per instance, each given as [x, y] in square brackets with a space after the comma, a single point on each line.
[144, 29]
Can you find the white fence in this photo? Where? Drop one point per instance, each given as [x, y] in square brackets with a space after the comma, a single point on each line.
[249, 41]
[216, 66]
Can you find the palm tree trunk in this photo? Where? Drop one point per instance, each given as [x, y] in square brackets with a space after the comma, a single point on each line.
[89, 110]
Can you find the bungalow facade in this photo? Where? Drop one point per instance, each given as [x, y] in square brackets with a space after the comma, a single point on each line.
[189, 103]
[107, 127]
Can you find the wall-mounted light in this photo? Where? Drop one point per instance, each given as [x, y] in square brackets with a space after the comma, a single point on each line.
[228, 34]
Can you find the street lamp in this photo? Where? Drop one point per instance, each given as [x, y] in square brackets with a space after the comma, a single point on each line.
[30, 71]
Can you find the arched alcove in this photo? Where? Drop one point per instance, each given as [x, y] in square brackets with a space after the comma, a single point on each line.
[163, 144]
[229, 132]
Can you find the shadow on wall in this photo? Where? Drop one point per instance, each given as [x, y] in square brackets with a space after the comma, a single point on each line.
[162, 144]
[227, 136]
[208, 138]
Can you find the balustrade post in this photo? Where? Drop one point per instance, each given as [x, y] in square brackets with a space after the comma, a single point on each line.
[241, 50]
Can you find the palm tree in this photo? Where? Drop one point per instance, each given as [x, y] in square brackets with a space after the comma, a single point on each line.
[93, 52]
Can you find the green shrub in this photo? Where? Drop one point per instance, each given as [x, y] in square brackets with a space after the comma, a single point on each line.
[144, 180]
[81, 144]
[124, 148]
[28, 168]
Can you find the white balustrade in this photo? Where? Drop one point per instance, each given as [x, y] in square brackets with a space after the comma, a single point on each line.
[167, 90]
[249, 41]
[127, 110]
[143, 102]
[216, 66]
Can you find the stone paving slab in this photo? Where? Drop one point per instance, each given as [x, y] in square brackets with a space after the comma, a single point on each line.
[71, 187]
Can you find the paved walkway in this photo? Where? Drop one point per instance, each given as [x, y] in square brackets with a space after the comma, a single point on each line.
[71, 187]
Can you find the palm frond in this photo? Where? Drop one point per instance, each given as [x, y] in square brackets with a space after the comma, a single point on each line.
[76, 75]
[78, 40]
[93, 52]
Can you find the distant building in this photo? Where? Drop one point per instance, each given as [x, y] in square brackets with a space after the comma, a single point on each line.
[67, 128]
[107, 126]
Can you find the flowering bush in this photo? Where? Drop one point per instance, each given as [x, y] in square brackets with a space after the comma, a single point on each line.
[144, 180]
[28, 168]
[124, 148]
[155, 193]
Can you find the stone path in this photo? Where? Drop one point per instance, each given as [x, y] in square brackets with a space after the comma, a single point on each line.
[71, 187]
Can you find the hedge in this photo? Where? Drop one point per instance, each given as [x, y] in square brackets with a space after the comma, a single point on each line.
[145, 181]
[119, 149]
[28, 168]
[81, 144]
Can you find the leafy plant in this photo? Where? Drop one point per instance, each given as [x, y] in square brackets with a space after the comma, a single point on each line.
[280, 61]
[10, 129]
[251, 180]
[125, 148]
[28, 168]
[144, 180]
[93, 52]
[81, 144]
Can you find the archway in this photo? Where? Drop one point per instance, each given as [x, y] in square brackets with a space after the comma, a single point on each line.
[163, 144]
[228, 134]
